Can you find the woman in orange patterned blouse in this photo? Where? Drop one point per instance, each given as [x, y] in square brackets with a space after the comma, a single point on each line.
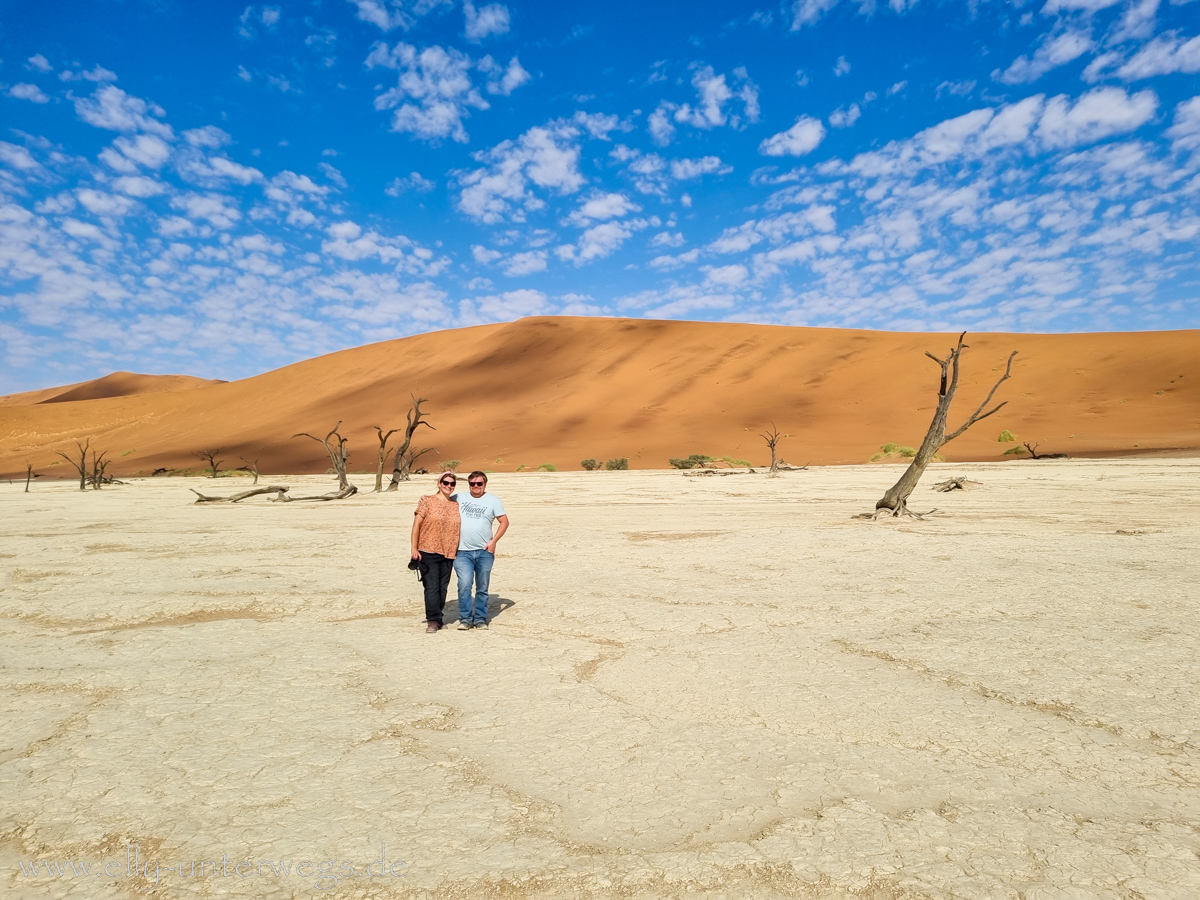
[434, 543]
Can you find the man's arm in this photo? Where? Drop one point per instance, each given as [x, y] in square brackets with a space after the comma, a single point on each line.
[490, 546]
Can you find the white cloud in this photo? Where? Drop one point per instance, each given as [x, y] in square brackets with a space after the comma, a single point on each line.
[1165, 54]
[1185, 132]
[347, 241]
[97, 74]
[101, 203]
[1091, 6]
[957, 88]
[802, 138]
[31, 92]
[667, 239]
[728, 276]
[602, 240]
[503, 80]
[376, 12]
[843, 117]
[483, 255]
[414, 181]
[17, 157]
[227, 168]
[434, 92]
[111, 108]
[841, 67]
[603, 206]
[659, 123]
[38, 63]
[1098, 114]
[485, 21]
[212, 208]
[901, 85]
[208, 136]
[140, 186]
[684, 169]
[806, 12]
[712, 95]
[546, 156]
[1054, 51]
[503, 307]
[525, 263]
[146, 150]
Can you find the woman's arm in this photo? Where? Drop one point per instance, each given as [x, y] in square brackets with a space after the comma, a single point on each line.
[418, 518]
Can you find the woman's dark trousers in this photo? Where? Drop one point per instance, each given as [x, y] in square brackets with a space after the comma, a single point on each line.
[435, 578]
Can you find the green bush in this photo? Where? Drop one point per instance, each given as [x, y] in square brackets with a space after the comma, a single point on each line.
[520, 467]
[547, 467]
[737, 462]
[1006, 437]
[889, 448]
[906, 452]
[449, 465]
[1014, 451]
[690, 463]
[614, 464]
[590, 464]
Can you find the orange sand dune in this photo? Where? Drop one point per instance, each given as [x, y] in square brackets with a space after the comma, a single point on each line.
[557, 390]
[116, 384]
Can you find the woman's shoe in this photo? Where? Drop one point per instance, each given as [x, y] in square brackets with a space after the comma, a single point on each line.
[431, 627]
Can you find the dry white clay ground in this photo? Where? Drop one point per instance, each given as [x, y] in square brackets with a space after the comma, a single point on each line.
[718, 687]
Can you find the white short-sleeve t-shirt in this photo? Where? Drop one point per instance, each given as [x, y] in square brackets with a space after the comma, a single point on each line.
[477, 515]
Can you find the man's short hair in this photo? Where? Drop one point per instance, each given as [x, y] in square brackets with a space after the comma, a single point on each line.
[479, 474]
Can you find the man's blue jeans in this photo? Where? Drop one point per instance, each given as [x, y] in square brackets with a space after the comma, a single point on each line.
[476, 566]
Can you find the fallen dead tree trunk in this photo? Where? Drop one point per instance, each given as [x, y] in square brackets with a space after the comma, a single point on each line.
[234, 498]
[342, 494]
[959, 483]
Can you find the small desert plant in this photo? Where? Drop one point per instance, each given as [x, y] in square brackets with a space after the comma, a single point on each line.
[547, 467]
[690, 463]
[620, 463]
[907, 452]
[590, 464]
[1006, 437]
[889, 448]
[519, 468]
[449, 465]
[1015, 451]
[737, 462]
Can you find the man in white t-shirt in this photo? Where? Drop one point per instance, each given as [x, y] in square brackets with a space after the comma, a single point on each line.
[476, 549]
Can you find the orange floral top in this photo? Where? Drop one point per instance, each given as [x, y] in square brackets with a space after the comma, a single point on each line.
[439, 527]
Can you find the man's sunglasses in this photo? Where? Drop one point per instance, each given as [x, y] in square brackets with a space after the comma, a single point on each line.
[476, 483]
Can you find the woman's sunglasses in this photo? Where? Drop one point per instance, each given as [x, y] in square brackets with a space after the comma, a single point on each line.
[449, 481]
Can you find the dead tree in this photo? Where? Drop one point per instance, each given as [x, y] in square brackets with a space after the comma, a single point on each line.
[29, 475]
[337, 455]
[234, 498]
[383, 450]
[895, 501]
[80, 466]
[1033, 454]
[772, 438]
[402, 461]
[210, 457]
[251, 467]
[99, 464]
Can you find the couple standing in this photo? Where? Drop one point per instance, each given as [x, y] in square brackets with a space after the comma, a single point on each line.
[454, 530]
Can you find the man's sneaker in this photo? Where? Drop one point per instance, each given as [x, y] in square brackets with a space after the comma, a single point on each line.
[464, 625]
[482, 625]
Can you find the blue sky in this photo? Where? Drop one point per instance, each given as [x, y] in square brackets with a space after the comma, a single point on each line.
[219, 189]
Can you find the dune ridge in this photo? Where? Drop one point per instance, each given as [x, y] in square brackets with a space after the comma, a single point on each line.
[559, 389]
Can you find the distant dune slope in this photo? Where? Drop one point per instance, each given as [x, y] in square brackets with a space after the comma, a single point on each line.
[116, 384]
[557, 390]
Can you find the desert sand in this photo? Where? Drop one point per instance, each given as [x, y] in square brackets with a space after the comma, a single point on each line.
[723, 687]
[559, 390]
